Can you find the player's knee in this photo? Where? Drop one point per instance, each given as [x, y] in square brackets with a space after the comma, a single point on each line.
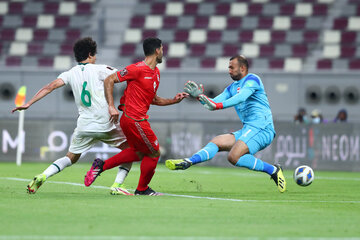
[232, 158]
[155, 154]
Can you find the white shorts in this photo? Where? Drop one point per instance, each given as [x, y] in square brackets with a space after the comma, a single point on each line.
[83, 141]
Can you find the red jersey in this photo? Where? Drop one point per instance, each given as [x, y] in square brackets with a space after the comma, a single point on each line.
[142, 84]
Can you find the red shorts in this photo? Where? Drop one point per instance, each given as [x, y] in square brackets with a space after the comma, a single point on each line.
[139, 135]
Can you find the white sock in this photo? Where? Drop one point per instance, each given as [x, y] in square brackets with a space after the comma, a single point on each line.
[121, 175]
[57, 166]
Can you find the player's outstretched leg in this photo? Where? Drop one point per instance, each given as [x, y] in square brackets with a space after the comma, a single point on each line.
[34, 185]
[178, 164]
[205, 154]
[279, 178]
[148, 192]
[94, 172]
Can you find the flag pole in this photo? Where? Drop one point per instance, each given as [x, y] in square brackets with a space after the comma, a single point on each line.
[20, 100]
[20, 145]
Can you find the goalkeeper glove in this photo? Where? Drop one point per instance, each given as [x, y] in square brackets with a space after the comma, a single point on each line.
[209, 104]
[193, 89]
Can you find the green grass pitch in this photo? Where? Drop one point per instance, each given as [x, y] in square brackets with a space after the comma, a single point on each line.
[203, 203]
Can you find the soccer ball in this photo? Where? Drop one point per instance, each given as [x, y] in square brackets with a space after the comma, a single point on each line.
[304, 175]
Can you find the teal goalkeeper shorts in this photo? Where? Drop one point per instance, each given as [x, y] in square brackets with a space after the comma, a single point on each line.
[255, 138]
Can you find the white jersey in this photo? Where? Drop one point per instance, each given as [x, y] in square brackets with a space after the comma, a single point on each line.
[87, 84]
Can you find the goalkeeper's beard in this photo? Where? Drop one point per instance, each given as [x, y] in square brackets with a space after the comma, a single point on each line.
[236, 77]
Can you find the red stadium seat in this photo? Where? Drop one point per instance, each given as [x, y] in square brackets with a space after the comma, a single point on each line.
[347, 52]
[137, 22]
[51, 7]
[311, 36]
[29, 21]
[287, 9]
[300, 50]
[208, 63]
[278, 36]
[233, 22]
[255, 9]
[214, 36]
[222, 9]
[190, 9]
[340, 23]
[83, 9]
[72, 35]
[354, 64]
[173, 62]
[246, 36]
[298, 23]
[170, 22]
[320, 10]
[265, 22]
[7, 35]
[230, 49]
[324, 64]
[348, 37]
[181, 36]
[66, 49]
[158, 8]
[267, 51]
[16, 7]
[41, 34]
[13, 61]
[62, 21]
[197, 50]
[45, 62]
[276, 64]
[128, 49]
[149, 33]
[201, 22]
[35, 48]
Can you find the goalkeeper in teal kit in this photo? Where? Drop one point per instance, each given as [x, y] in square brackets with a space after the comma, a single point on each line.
[247, 95]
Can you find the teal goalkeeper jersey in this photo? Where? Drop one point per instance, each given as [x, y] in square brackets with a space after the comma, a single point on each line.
[249, 99]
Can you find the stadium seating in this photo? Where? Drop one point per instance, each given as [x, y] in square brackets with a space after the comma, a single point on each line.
[290, 35]
[41, 33]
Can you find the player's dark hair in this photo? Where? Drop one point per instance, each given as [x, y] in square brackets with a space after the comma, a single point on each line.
[150, 45]
[83, 47]
[241, 60]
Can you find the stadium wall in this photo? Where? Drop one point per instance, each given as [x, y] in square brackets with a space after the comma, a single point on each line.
[323, 147]
[327, 92]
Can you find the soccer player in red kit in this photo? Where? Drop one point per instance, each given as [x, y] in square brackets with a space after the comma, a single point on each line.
[143, 79]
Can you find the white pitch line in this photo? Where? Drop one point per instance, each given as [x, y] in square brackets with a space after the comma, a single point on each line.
[194, 197]
[54, 237]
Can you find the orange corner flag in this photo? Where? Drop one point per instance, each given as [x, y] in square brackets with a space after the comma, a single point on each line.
[20, 97]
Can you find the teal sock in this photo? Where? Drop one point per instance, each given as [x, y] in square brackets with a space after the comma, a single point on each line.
[252, 163]
[206, 153]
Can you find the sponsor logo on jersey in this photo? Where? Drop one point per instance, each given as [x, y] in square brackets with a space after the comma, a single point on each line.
[109, 68]
[148, 77]
[123, 72]
[238, 89]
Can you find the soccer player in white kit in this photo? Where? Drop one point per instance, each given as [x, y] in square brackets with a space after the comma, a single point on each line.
[93, 124]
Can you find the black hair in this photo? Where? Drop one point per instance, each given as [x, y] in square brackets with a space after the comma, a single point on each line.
[83, 47]
[241, 60]
[150, 45]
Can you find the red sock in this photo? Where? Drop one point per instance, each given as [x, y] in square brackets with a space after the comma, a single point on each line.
[125, 156]
[147, 169]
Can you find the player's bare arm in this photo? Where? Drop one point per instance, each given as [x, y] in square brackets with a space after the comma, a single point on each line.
[168, 101]
[41, 93]
[109, 88]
